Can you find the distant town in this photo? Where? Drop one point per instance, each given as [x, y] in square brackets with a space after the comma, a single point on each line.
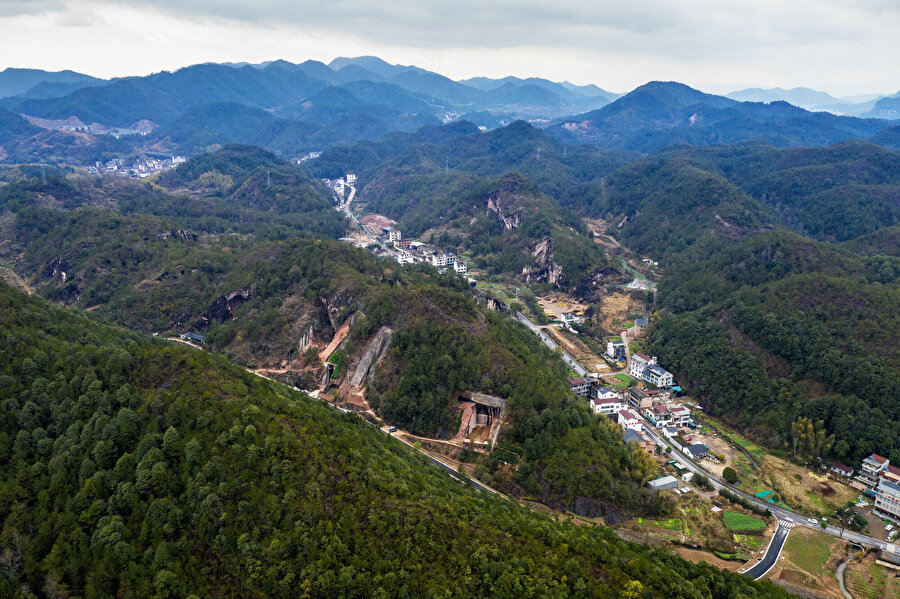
[136, 169]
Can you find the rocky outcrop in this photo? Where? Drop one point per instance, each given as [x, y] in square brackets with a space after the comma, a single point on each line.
[544, 269]
[223, 308]
[375, 351]
[58, 269]
[510, 219]
[177, 234]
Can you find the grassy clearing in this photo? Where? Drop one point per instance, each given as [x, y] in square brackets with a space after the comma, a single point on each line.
[809, 550]
[743, 523]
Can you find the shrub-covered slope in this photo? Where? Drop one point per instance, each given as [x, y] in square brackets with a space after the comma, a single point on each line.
[134, 468]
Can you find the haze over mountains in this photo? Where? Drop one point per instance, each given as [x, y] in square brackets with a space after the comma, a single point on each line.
[293, 109]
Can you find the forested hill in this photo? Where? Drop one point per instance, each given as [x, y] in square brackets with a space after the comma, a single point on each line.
[255, 299]
[763, 324]
[238, 189]
[663, 113]
[136, 468]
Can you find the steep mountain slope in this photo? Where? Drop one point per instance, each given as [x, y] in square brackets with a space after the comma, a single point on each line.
[276, 304]
[134, 467]
[660, 114]
[766, 326]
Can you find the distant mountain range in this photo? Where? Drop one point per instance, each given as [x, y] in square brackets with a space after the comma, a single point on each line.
[810, 99]
[660, 114]
[296, 108]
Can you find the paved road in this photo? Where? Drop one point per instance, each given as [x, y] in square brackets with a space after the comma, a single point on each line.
[772, 552]
[780, 513]
[569, 360]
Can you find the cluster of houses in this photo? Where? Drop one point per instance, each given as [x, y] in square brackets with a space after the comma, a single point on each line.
[877, 478]
[139, 169]
[629, 408]
[644, 368]
[409, 252]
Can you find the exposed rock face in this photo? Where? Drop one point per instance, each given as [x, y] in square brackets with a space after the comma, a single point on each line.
[544, 269]
[177, 234]
[498, 204]
[375, 351]
[57, 269]
[495, 305]
[222, 309]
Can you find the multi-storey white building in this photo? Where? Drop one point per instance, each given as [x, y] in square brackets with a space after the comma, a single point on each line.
[607, 406]
[605, 392]
[615, 350]
[639, 362]
[460, 267]
[442, 260]
[657, 375]
[871, 468]
[887, 499]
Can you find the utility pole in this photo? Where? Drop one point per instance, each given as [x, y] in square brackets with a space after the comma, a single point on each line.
[447, 164]
[565, 150]
[43, 175]
[268, 179]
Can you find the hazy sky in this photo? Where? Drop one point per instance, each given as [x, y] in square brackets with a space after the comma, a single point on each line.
[840, 46]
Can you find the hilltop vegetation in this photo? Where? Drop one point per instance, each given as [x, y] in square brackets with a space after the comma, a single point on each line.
[664, 113]
[135, 468]
[763, 324]
[236, 190]
[255, 298]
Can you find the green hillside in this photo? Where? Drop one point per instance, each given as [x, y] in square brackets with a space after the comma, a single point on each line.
[135, 468]
[764, 325]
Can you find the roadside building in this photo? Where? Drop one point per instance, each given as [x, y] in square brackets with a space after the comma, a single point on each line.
[615, 350]
[194, 338]
[871, 468]
[633, 436]
[394, 235]
[460, 267]
[628, 419]
[662, 483]
[669, 431]
[698, 450]
[658, 415]
[681, 416]
[580, 387]
[607, 406]
[887, 499]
